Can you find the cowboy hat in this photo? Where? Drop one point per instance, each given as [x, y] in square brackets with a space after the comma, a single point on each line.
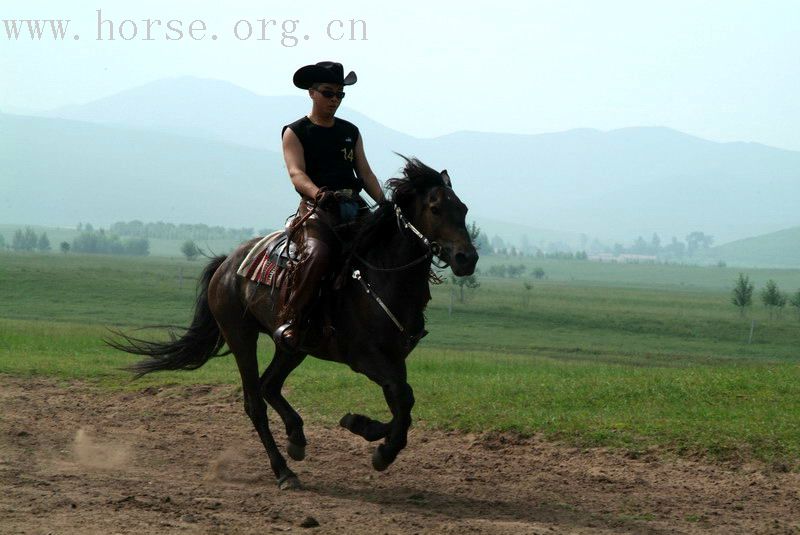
[322, 72]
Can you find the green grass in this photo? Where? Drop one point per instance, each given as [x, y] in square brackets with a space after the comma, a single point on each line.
[588, 362]
[645, 275]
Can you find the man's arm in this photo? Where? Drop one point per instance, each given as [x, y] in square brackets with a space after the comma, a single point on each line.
[365, 173]
[296, 165]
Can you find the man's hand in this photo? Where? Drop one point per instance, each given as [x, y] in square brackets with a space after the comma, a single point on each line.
[324, 197]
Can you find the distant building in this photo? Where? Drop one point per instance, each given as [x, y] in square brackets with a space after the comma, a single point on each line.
[625, 257]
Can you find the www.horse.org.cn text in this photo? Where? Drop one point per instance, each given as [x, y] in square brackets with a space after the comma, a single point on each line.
[285, 32]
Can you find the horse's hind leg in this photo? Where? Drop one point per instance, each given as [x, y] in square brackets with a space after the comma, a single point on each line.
[242, 341]
[283, 363]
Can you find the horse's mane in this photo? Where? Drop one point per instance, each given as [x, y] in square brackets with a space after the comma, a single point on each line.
[416, 179]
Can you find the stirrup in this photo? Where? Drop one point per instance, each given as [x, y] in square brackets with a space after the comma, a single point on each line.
[280, 339]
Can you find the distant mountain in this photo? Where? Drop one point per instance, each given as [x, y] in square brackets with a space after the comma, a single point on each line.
[214, 109]
[614, 185]
[776, 249]
[58, 172]
[627, 182]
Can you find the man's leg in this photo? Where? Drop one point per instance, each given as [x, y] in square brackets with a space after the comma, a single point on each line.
[316, 264]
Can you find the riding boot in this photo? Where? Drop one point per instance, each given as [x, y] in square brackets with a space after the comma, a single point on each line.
[305, 290]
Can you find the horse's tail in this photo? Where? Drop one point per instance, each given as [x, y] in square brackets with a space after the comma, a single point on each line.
[197, 344]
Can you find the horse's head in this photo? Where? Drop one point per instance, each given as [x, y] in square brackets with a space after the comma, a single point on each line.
[427, 199]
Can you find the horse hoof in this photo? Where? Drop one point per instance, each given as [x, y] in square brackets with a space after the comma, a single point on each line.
[289, 483]
[378, 462]
[296, 452]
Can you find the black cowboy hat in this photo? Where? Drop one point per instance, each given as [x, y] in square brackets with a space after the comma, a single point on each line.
[323, 72]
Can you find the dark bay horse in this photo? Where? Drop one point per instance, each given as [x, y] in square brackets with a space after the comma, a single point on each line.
[377, 315]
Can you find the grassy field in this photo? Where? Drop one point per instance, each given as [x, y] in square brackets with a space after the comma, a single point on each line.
[620, 355]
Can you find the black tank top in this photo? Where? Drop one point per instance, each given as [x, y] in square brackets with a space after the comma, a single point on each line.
[329, 152]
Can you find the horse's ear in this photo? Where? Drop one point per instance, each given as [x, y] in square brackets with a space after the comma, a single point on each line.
[446, 178]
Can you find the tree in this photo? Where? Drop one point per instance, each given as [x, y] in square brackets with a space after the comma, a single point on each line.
[782, 300]
[676, 248]
[640, 246]
[43, 244]
[24, 240]
[497, 243]
[136, 246]
[31, 239]
[2, 242]
[100, 242]
[190, 250]
[64, 247]
[698, 240]
[482, 244]
[773, 298]
[795, 301]
[526, 297]
[16, 241]
[742, 293]
[474, 232]
[655, 244]
[515, 271]
[538, 273]
[499, 270]
[470, 281]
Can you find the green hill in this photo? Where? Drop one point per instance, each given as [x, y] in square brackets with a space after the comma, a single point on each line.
[776, 249]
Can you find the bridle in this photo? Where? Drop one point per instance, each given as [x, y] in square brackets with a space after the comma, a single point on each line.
[433, 249]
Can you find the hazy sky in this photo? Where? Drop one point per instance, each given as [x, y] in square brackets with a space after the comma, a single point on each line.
[723, 70]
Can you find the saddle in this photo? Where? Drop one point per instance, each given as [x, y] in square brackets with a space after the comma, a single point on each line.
[271, 262]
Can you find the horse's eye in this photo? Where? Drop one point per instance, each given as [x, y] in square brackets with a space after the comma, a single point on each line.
[435, 210]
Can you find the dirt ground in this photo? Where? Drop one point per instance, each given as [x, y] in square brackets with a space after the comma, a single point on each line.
[78, 459]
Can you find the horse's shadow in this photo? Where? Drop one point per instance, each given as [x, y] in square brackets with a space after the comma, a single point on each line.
[459, 507]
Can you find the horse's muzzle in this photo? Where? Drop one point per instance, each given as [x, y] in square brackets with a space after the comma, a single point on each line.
[463, 262]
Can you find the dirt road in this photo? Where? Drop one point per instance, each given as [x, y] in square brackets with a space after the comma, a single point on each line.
[78, 459]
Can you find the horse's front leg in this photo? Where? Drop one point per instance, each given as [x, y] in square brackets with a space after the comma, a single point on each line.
[389, 372]
[364, 426]
[400, 398]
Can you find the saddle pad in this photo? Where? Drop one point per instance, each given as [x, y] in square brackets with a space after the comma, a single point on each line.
[266, 258]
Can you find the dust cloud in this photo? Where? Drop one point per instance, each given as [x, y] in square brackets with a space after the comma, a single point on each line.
[91, 453]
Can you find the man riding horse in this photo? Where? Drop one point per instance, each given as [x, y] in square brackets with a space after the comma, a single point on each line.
[381, 296]
[325, 159]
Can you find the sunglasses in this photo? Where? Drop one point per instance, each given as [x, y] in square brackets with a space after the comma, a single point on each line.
[330, 94]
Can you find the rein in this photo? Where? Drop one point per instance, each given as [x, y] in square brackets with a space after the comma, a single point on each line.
[433, 249]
